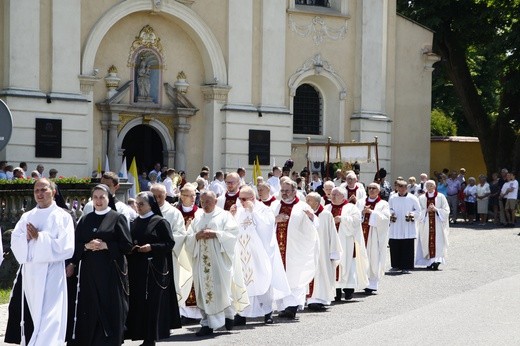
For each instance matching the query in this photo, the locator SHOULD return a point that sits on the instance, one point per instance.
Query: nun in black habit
(102, 240)
(153, 300)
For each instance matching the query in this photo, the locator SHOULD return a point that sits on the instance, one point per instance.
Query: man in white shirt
(217, 185)
(274, 181)
(171, 189)
(510, 193)
(315, 182)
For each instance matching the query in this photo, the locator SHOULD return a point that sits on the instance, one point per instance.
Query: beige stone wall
(91, 14)
(411, 123)
(181, 54)
(340, 55)
(407, 94)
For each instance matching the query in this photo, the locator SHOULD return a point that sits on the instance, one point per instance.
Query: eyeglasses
(140, 204)
(285, 191)
(372, 188)
(191, 196)
(243, 199)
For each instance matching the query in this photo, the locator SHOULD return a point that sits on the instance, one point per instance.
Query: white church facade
(189, 83)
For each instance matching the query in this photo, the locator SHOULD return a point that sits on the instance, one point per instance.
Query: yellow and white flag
(133, 179)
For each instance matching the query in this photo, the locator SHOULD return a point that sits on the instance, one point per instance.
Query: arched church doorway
(143, 143)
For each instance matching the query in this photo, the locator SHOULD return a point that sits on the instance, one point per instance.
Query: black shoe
(337, 298)
(205, 330)
(289, 312)
(435, 265)
(316, 306)
(230, 323)
(268, 318)
(369, 291)
(349, 292)
(239, 320)
(148, 343)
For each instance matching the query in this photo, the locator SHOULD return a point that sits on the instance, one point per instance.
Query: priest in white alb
(217, 274)
(355, 190)
(260, 258)
(298, 242)
(322, 288)
(187, 302)
(41, 242)
(433, 228)
(352, 271)
(375, 219)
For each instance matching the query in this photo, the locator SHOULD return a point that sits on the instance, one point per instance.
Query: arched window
(307, 117)
(321, 3)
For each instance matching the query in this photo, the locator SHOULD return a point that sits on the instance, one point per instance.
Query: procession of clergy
(258, 249)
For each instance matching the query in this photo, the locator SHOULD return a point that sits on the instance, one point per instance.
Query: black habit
(153, 301)
(102, 305)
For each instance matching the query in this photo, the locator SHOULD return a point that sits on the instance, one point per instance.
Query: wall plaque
(260, 144)
(48, 138)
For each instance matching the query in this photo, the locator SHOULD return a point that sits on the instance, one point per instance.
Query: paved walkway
(474, 300)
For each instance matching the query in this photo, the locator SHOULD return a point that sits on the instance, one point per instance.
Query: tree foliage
(478, 76)
(442, 125)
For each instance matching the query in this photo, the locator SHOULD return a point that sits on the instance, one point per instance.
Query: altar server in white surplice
(259, 254)
(41, 241)
(433, 228)
(217, 274)
(322, 288)
(375, 221)
(404, 210)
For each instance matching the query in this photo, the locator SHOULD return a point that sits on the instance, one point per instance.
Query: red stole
(364, 225)
(187, 214)
(352, 192)
(431, 224)
(191, 300)
(230, 201)
(326, 199)
(269, 201)
(320, 209)
(282, 227)
(336, 211)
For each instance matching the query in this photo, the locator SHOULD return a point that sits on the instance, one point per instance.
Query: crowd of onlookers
(474, 200)
(9, 172)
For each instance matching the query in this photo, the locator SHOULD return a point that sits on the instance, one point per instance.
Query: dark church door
(143, 143)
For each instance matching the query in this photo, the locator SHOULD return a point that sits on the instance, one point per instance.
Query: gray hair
(314, 195)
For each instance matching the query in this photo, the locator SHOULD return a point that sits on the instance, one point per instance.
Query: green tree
(478, 76)
(442, 125)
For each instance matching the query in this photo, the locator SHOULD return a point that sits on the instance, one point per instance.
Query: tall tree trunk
(458, 71)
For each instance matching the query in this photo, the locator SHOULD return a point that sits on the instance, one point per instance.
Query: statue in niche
(147, 77)
(143, 80)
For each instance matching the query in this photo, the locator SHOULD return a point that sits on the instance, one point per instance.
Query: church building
(189, 83)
